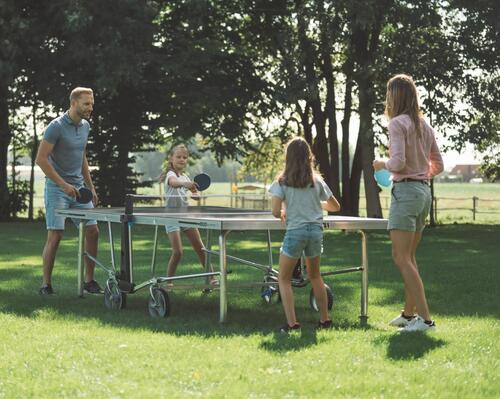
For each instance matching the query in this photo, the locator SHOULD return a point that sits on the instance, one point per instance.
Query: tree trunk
(5, 137)
(308, 55)
(346, 201)
(355, 180)
(330, 111)
(365, 41)
(373, 208)
(34, 150)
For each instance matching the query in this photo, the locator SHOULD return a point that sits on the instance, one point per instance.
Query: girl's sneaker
(324, 325)
(286, 329)
(401, 320)
(419, 324)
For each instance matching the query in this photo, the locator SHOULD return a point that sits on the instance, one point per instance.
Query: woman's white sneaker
(401, 320)
(418, 324)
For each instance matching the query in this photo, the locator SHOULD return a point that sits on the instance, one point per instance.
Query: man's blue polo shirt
(69, 141)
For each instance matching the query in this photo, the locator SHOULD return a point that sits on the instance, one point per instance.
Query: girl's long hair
(170, 167)
(402, 98)
(299, 165)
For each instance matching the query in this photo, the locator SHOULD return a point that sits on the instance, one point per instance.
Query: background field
(64, 346)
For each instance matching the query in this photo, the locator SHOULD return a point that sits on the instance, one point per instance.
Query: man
(62, 157)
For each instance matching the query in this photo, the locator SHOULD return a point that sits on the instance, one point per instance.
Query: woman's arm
(436, 161)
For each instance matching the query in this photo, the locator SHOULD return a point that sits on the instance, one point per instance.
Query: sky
(467, 156)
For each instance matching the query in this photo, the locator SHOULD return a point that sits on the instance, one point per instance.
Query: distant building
(466, 172)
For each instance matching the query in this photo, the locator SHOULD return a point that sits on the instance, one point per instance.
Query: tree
(20, 39)
(109, 46)
(478, 34)
(210, 80)
(265, 162)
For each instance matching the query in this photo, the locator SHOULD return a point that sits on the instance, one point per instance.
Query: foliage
(265, 162)
(241, 72)
(211, 86)
(19, 190)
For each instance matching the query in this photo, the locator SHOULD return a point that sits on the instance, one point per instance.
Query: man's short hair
(78, 91)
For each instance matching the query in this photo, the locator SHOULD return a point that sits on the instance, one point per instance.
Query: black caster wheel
(158, 303)
(114, 298)
(312, 299)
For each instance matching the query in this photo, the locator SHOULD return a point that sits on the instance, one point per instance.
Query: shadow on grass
(409, 346)
(192, 312)
(296, 341)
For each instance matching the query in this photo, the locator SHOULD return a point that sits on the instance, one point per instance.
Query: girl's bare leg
(285, 285)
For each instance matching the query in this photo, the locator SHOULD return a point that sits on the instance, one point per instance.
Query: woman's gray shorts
(410, 206)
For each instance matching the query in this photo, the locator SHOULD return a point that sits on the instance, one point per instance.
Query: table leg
(81, 249)
(364, 279)
(223, 277)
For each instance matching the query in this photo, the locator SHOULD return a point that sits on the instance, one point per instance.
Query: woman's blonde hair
(402, 98)
(299, 165)
(170, 167)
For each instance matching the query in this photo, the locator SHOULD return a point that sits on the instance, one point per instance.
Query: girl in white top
(177, 191)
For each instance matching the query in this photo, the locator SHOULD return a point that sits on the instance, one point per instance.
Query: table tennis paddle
(203, 181)
(383, 177)
(85, 195)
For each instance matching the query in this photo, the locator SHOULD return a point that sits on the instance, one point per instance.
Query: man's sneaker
(92, 287)
(286, 329)
(419, 324)
(46, 289)
(401, 321)
(324, 325)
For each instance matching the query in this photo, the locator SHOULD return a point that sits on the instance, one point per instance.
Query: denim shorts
(410, 206)
(56, 198)
(307, 239)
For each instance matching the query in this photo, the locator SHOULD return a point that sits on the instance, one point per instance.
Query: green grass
(64, 346)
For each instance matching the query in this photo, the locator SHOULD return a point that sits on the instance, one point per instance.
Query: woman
(414, 160)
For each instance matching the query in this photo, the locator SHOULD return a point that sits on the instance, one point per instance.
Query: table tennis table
(213, 219)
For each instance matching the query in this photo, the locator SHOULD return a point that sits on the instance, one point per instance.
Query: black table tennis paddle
(203, 181)
(85, 195)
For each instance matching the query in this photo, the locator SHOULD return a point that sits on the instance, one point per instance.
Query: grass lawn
(65, 346)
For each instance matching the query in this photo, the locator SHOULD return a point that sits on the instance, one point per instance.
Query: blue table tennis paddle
(85, 195)
(383, 177)
(202, 181)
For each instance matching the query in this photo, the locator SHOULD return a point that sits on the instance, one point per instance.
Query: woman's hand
(378, 164)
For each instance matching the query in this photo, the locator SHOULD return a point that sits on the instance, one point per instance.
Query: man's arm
(42, 160)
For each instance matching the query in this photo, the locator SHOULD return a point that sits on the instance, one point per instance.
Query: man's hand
(70, 190)
(95, 198)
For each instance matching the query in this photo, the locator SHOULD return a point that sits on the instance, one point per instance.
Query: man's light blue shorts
(307, 239)
(410, 206)
(55, 198)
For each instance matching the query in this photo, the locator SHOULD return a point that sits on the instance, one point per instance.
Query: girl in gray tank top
(299, 196)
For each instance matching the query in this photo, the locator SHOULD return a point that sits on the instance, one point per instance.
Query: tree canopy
(244, 74)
